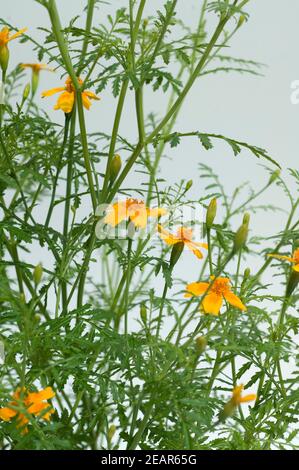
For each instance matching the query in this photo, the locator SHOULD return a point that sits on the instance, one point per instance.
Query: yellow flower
(236, 400)
(5, 37)
(219, 291)
(66, 100)
(184, 235)
(132, 209)
(293, 259)
(35, 404)
(36, 68)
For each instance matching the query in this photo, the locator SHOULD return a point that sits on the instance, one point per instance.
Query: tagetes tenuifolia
(237, 398)
(183, 235)
(133, 209)
(219, 291)
(35, 403)
(293, 259)
(66, 100)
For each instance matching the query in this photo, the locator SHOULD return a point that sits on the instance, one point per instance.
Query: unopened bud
(37, 274)
(227, 411)
(292, 283)
(241, 21)
(274, 176)
(26, 92)
(143, 313)
(4, 57)
(115, 167)
(240, 238)
(211, 213)
(111, 432)
(246, 218)
(201, 344)
(176, 252)
(246, 274)
(188, 185)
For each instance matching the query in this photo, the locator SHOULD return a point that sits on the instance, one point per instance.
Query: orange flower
(183, 235)
(36, 68)
(219, 291)
(293, 259)
(5, 37)
(35, 404)
(132, 209)
(237, 398)
(66, 100)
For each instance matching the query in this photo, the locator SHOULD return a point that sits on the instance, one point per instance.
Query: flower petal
(197, 288)
(86, 102)
(52, 91)
(17, 34)
(156, 211)
(91, 95)
(249, 397)
(65, 102)
(194, 250)
(166, 236)
(287, 258)
(45, 394)
(296, 267)
(234, 300)
(116, 213)
(138, 217)
(7, 413)
(212, 303)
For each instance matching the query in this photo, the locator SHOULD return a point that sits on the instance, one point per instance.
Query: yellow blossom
(35, 404)
(183, 235)
(133, 209)
(36, 68)
(66, 100)
(5, 37)
(235, 400)
(218, 292)
(293, 259)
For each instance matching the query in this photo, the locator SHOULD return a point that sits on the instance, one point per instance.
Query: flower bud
(246, 274)
(211, 213)
(176, 252)
(111, 432)
(241, 21)
(26, 92)
(143, 313)
(274, 176)
(4, 57)
(38, 274)
(115, 167)
(241, 236)
(246, 218)
(292, 283)
(200, 344)
(227, 411)
(188, 185)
